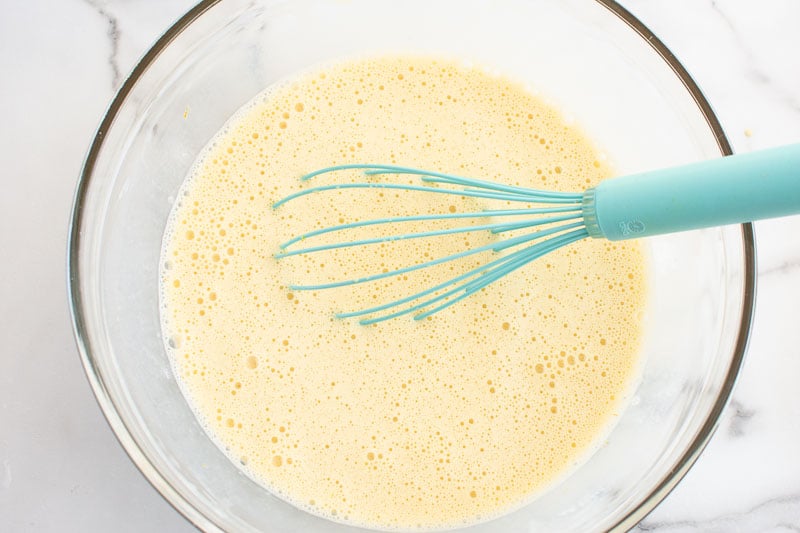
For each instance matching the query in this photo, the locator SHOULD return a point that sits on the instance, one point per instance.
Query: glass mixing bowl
(591, 58)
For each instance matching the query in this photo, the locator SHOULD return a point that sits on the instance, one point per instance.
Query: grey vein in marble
(754, 73)
(113, 36)
(740, 417)
(781, 513)
(784, 268)
(5, 475)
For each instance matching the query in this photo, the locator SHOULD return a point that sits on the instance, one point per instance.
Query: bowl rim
(185, 507)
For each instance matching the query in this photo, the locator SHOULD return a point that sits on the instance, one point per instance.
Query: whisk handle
(730, 190)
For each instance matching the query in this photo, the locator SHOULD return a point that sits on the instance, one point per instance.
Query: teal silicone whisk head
(729, 190)
(564, 219)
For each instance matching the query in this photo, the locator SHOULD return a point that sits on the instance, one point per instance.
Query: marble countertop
(61, 469)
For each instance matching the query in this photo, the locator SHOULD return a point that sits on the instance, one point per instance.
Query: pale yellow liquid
(406, 424)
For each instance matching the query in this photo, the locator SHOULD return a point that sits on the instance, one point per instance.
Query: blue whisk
(734, 189)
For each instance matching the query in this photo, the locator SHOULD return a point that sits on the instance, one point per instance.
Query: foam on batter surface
(402, 424)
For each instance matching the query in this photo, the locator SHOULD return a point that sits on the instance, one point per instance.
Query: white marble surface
(61, 468)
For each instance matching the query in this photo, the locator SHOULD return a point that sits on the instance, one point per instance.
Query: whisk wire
(476, 187)
(488, 273)
(473, 184)
(417, 218)
(438, 177)
(534, 252)
(497, 227)
(431, 290)
(437, 190)
(533, 223)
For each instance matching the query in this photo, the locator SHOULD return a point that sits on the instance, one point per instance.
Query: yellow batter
(446, 421)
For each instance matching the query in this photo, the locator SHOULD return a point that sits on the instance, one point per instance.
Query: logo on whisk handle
(631, 227)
